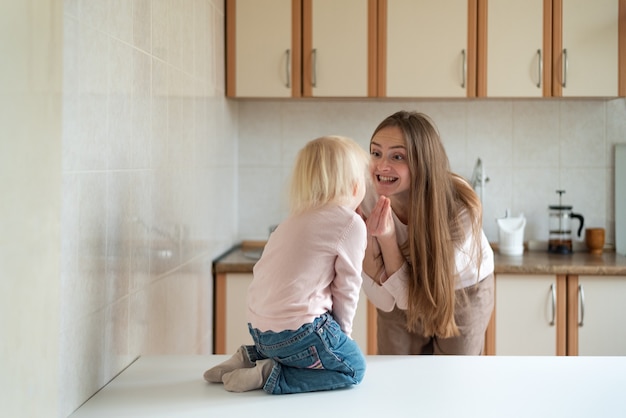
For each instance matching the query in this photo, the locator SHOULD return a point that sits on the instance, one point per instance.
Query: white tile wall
(149, 184)
(529, 149)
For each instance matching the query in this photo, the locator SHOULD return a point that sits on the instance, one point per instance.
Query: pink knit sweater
(311, 265)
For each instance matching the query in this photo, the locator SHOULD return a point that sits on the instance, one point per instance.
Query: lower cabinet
(558, 315)
(530, 315)
(596, 312)
(231, 329)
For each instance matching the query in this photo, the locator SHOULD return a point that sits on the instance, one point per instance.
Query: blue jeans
(317, 356)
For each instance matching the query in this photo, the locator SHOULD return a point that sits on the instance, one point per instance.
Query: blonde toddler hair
(326, 171)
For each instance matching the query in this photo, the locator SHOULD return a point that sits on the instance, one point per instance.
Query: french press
(560, 239)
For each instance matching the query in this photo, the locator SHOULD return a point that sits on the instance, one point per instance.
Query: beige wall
(149, 165)
(118, 156)
(30, 208)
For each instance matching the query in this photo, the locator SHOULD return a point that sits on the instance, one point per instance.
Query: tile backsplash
(529, 149)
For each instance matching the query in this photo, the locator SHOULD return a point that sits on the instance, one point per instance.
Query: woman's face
(389, 166)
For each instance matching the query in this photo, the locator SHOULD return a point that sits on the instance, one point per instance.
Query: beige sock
(243, 380)
(239, 360)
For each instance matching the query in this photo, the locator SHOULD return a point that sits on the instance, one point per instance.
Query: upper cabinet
(587, 48)
(339, 48)
(551, 48)
(294, 48)
(515, 48)
(263, 48)
(427, 48)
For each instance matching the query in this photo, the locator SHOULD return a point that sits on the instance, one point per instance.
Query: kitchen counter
(396, 386)
(241, 259)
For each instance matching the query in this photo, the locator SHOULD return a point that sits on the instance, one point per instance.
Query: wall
(529, 149)
(30, 206)
(149, 166)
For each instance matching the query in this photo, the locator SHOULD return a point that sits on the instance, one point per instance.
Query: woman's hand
(380, 222)
(384, 253)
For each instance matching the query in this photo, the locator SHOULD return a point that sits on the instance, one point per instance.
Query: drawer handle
(553, 294)
(463, 69)
(581, 299)
(288, 67)
(539, 68)
(314, 67)
(565, 65)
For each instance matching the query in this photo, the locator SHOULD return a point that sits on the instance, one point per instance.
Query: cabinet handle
(539, 68)
(314, 67)
(463, 69)
(581, 299)
(565, 64)
(553, 294)
(288, 68)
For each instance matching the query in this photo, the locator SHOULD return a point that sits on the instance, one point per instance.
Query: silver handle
(553, 293)
(288, 67)
(539, 68)
(314, 67)
(464, 69)
(581, 299)
(565, 65)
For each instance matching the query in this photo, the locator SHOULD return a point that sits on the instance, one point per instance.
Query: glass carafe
(560, 239)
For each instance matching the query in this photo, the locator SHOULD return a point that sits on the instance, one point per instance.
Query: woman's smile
(386, 179)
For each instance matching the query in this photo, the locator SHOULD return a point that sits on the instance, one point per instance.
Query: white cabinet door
(236, 322)
(515, 50)
(335, 52)
(588, 59)
(426, 48)
(262, 59)
(526, 315)
(601, 313)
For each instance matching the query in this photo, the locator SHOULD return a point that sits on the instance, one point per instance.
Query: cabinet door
(516, 50)
(263, 55)
(586, 48)
(337, 52)
(236, 311)
(427, 48)
(597, 316)
(530, 312)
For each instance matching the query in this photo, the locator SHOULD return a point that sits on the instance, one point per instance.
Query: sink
(253, 254)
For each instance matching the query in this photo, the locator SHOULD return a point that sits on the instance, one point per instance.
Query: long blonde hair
(437, 198)
(327, 170)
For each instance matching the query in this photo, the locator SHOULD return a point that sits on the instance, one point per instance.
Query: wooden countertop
(394, 386)
(241, 260)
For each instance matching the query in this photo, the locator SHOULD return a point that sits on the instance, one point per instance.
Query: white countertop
(394, 386)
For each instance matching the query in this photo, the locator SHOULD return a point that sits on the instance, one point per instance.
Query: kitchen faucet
(479, 178)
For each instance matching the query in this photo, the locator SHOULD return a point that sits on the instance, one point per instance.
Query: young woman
(305, 288)
(428, 266)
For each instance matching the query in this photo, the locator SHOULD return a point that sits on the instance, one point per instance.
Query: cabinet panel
(427, 48)
(336, 51)
(530, 314)
(263, 51)
(586, 51)
(236, 322)
(597, 311)
(518, 48)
